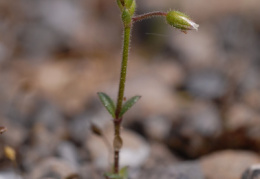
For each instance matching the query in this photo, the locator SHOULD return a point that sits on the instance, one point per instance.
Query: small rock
(253, 172)
(193, 134)
(204, 118)
(193, 48)
(67, 151)
(50, 117)
(134, 152)
(240, 116)
(157, 97)
(228, 164)
(171, 73)
(207, 84)
(160, 154)
(252, 98)
(157, 127)
(182, 170)
(52, 167)
(16, 134)
(9, 174)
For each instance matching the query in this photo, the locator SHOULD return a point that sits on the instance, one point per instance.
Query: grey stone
(253, 172)
(207, 84)
(67, 151)
(182, 170)
(9, 174)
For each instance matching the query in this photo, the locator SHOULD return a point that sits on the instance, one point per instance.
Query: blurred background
(199, 116)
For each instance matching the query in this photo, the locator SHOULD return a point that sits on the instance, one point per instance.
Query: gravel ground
(199, 116)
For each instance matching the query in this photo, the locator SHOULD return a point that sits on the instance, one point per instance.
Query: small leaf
(124, 172)
(108, 103)
(128, 104)
(113, 176)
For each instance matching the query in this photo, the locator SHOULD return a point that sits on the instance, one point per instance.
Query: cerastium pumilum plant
(127, 7)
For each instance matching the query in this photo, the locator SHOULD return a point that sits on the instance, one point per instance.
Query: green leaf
(108, 103)
(129, 104)
(113, 176)
(124, 172)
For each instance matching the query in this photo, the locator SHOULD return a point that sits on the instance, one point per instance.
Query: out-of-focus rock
(5, 52)
(207, 84)
(134, 152)
(157, 127)
(157, 99)
(204, 118)
(169, 72)
(237, 36)
(228, 164)
(68, 152)
(71, 85)
(9, 174)
(240, 116)
(88, 171)
(53, 168)
(253, 172)
(182, 170)
(160, 154)
(44, 141)
(192, 47)
(252, 98)
(64, 16)
(249, 81)
(16, 134)
(200, 9)
(193, 133)
(80, 127)
(50, 117)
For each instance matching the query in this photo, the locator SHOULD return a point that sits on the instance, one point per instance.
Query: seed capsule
(180, 21)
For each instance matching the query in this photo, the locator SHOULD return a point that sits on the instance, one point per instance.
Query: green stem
(148, 15)
(117, 120)
(120, 97)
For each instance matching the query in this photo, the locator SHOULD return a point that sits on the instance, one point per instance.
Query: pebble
(182, 170)
(67, 151)
(9, 174)
(199, 124)
(52, 167)
(228, 164)
(157, 127)
(134, 153)
(253, 172)
(207, 84)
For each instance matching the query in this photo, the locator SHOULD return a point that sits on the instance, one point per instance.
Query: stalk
(117, 120)
(148, 15)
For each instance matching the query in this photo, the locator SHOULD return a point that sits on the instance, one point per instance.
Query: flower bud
(128, 3)
(132, 8)
(126, 17)
(181, 21)
(120, 5)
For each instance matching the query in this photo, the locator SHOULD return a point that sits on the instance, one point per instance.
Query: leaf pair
(110, 105)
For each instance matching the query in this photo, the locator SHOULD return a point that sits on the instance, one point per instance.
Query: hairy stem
(116, 150)
(117, 120)
(121, 89)
(148, 15)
